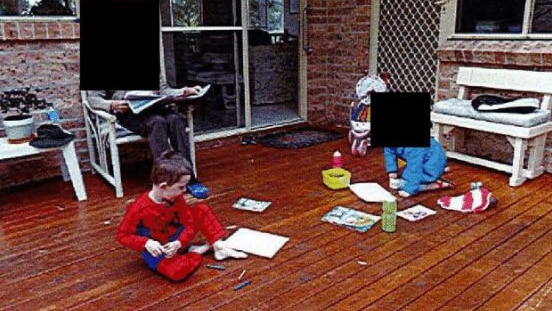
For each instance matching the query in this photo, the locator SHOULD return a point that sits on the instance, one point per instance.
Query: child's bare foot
(222, 251)
(200, 249)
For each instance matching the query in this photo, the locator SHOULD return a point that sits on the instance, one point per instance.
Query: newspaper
(141, 100)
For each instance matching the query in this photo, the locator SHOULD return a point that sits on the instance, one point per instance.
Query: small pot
(19, 128)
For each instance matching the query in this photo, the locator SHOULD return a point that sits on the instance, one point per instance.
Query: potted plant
(16, 105)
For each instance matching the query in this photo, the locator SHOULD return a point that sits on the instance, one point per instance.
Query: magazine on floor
(416, 213)
(350, 218)
(252, 205)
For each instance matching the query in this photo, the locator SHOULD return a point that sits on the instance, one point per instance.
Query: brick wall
(339, 34)
(42, 55)
(527, 55)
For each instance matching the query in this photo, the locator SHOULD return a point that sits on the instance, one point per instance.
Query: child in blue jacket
(424, 167)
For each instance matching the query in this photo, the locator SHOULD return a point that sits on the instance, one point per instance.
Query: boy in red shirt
(160, 222)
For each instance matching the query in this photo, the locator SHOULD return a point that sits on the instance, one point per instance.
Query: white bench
(525, 132)
(101, 137)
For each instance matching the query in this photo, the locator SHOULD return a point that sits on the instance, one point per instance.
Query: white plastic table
(70, 167)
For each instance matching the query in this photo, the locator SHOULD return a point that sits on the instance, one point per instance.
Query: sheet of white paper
(371, 192)
(130, 94)
(256, 242)
(201, 92)
(416, 212)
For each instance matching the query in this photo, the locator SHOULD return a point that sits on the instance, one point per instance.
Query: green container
(389, 216)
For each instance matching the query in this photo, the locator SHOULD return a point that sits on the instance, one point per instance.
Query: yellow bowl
(336, 178)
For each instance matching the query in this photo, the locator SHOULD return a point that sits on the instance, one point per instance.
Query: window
(514, 17)
(267, 14)
(38, 8)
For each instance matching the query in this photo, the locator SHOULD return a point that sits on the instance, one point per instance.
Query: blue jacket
(423, 164)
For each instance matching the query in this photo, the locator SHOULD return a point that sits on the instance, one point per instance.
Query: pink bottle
(337, 159)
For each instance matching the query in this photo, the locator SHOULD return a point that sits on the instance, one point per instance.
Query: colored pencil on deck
(242, 285)
(241, 275)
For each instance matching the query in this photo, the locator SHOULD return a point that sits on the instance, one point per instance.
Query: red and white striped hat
(476, 201)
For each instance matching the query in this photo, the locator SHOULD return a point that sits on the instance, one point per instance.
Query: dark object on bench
(492, 103)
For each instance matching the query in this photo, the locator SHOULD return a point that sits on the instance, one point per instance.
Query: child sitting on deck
(424, 167)
(160, 223)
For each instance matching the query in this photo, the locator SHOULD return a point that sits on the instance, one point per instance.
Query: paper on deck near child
(371, 192)
(256, 242)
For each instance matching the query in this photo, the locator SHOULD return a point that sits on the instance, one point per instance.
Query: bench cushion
(463, 108)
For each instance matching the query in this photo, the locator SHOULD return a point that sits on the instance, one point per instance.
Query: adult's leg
(157, 134)
(153, 126)
(177, 134)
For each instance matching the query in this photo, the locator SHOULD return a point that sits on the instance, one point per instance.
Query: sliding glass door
(250, 60)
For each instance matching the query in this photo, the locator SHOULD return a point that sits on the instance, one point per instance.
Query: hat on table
(51, 136)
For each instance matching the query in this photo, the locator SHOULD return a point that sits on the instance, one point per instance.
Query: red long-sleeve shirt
(145, 219)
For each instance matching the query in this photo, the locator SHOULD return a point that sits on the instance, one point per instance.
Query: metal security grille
(408, 36)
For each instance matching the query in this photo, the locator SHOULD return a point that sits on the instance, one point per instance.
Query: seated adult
(162, 125)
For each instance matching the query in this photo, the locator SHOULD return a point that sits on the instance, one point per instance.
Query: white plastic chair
(102, 139)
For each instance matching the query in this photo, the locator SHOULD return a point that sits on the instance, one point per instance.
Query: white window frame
(241, 31)
(448, 25)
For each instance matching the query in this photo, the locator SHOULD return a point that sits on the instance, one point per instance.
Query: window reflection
(196, 13)
(37, 8)
(208, 57)
(476, 16)
(542, 17)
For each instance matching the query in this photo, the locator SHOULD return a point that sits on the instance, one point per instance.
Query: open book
(141, 100)
(350, 218)
(251, 204)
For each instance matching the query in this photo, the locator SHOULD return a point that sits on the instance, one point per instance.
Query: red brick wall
(339, 34)
(43, 55)
(528, 55)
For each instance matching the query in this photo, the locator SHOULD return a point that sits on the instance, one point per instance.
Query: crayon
(242, 285)
(217, 267)
(242, 274)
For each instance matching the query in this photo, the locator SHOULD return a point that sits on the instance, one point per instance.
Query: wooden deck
(58, 254)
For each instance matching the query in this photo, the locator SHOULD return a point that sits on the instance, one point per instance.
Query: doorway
(247, 50)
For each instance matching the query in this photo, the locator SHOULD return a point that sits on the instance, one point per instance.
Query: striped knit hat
(476, 201)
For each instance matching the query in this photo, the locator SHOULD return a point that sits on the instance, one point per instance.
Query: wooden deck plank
(59, 254)
(511, 297)
(541, 300)
(457, 283)
(508, 271)
(339, 290)
(484, 254)
(275, 292)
